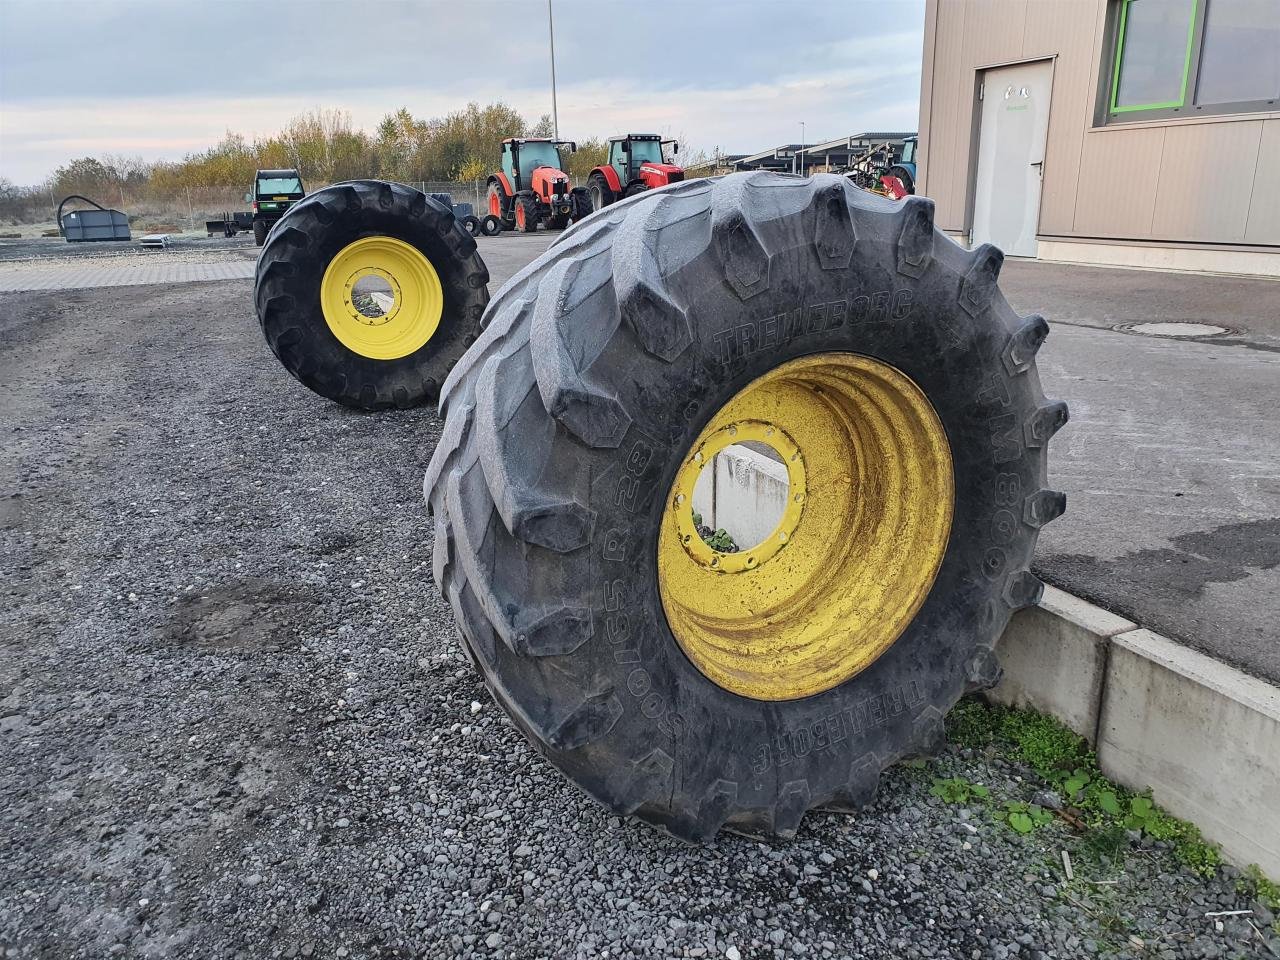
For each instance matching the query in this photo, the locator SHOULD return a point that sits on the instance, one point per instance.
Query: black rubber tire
(490, 225)
(471, 224)
(527, 205)
(903, 174)
(505, 204)
(600, 194)
(287, 292)
(260, 230)
(581, 201)
(635, 189)
(566, 422)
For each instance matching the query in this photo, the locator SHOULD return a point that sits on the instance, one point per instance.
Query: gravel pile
(235, 721)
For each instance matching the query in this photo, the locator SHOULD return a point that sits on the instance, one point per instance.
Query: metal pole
(555, 115)
(802, 143)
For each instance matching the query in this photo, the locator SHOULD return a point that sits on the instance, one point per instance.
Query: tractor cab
(521, 157)
(627, 155)
(635, 164)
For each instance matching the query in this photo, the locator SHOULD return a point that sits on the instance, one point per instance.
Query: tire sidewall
(718, 737)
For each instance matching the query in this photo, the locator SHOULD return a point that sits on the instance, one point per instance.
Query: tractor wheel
(499, 204)
(526, 213)
(259, 233)
(600, 194)
(491, 226)
(471, 225)
(635, 189)
(581, 201)
(369, 292)
(904, 175)
(698, 689)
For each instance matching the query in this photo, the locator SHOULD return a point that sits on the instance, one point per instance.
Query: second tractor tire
(369, 231)
(598, 191)
(572, 428)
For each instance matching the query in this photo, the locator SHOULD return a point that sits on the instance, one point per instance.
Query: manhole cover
(1174, 329)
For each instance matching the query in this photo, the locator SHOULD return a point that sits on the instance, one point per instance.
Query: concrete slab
(1204, 736)
(1054, 657)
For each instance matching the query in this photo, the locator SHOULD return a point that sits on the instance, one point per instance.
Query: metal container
(98, 224)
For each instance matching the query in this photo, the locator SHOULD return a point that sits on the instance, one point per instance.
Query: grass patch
(1065, 762)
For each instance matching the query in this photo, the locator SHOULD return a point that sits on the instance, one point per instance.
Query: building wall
(1207, 180)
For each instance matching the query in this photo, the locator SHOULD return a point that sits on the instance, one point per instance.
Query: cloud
(735, 74)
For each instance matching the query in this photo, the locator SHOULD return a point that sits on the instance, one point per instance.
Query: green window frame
(1118, 56)
(1187, 104)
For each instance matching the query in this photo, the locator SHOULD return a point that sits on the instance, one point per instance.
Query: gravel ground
(234, 721)
(189, 247)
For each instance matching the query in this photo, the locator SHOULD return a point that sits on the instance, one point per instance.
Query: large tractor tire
(581, 203)
(598, 191)
(369, 292)
(698, 689)
(499, 205)
(526, 213)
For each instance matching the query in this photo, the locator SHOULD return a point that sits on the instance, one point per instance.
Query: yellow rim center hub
(704, 454)
(861, 537)
(392, 330)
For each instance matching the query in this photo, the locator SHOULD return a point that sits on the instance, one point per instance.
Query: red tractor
(635, 164)
(531, 188)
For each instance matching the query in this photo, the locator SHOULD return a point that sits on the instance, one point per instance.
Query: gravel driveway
(234, 721)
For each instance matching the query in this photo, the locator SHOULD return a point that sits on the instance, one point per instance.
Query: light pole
(555, 114)
(802, 144)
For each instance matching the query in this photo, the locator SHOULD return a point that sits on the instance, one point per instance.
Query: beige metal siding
(1206, 173)
(1264, 206)
(1210, 181)
(1117, 177)
(948, 152)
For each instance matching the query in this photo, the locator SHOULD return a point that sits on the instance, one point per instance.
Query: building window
(1193, 57)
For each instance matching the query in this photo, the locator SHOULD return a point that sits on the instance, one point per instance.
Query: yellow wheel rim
(859, 543)
(396, 328)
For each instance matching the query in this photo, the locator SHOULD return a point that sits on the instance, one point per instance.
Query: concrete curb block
(1202, 735)
(1054, 657)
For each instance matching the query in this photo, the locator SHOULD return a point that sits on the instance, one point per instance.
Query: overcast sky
(161, 78)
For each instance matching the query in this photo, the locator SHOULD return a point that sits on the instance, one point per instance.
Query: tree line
(322, 144)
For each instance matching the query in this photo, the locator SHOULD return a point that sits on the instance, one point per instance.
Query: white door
(1015, 123)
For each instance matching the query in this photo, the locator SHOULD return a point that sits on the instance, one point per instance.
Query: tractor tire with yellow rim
(368, 293)
(877, 361)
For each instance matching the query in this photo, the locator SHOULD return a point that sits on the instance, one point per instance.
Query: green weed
(1065, 761)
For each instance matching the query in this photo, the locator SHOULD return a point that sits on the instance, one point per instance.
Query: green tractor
(273, 193)
(695, 686)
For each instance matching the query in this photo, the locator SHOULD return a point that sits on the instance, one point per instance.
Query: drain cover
(1174, 329)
